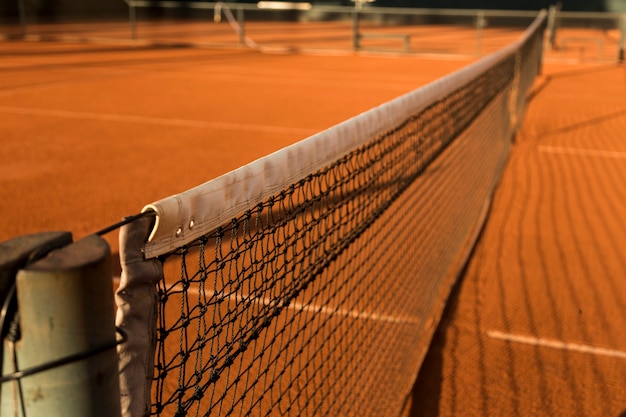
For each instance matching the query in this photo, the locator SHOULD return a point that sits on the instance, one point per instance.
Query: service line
(309, 308)
(556, 344)
(163, 121)
(582, 152)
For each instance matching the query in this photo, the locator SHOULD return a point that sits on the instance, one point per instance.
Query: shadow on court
(532, 328)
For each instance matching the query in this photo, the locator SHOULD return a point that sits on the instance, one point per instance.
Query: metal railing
(364, 11)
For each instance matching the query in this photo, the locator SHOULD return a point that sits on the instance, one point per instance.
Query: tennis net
(310, 281)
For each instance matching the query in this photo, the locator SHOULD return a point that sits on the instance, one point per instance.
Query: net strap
(136, 298)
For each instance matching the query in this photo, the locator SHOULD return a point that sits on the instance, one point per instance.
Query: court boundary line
(264, 49)
(308, 308)
(556, 344)
(70, 114)
(581, 152)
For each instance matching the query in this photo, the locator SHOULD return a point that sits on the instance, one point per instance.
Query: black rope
(127, 220)
(66, 360)
(12, 337)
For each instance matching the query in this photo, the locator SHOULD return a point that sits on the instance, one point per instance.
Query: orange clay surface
(93, 132)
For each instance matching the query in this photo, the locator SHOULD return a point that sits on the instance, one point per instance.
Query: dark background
(570, 5)
(64, 9)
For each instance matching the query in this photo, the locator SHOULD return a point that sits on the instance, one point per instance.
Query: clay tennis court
(92, 132)
(112, 128)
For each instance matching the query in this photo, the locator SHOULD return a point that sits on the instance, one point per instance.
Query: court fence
(363, 27)
(309, 282)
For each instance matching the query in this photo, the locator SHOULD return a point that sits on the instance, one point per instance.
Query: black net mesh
(313, 302)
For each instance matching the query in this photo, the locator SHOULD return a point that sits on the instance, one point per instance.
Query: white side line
(309, 308)
(556, 344)
(156, 120)
(583, 152)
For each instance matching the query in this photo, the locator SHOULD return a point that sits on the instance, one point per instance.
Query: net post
(22, 16)
(356, 36)
(552, 11)
(240, 22)
(63, 362)
(622, 38)
(538, 42)
(481, 22)
(132, 17)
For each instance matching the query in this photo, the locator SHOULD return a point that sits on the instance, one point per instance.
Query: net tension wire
(66, 360)
(124, 222)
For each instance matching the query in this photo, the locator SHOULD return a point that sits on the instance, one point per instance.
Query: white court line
(155, 120)
(583, 152)
(311, 308)
(556, 344)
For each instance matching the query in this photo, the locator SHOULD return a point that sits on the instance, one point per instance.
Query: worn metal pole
(65, 303)
(241, 23)
(22, 16)
(552, 26)
(132, 15)
(356, 35)
(622, 38)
